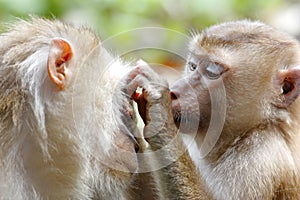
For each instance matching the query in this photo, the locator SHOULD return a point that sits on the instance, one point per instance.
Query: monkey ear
(60, 54)
(289, 83)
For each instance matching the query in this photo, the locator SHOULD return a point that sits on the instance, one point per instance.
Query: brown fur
(172, 170)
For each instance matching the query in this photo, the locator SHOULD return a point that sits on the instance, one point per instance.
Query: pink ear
(289, 82)
(59, 54)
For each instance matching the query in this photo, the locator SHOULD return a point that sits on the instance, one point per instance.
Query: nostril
(173, 96)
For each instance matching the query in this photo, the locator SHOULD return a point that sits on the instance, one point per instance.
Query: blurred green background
(120, 15)
(111, 17)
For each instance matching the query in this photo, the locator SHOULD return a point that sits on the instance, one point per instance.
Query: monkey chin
(185, 121)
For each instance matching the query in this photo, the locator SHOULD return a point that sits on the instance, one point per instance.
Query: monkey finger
(144, 69)
(132, 86)
(139, 69)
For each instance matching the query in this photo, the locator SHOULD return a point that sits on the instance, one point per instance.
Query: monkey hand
(154, 104)
(168, 161)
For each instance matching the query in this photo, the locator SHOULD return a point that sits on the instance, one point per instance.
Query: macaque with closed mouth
(257, 155)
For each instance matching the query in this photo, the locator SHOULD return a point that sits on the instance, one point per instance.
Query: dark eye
(192, 66)
(214, 71)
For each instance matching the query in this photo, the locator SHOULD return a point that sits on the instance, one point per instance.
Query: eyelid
(203, 61)
(214, 70)
(219, 68)
(194, 60)
(224, 65)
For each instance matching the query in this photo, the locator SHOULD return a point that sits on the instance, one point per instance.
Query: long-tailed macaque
(60, 115)
(257, 155)
(66, 120)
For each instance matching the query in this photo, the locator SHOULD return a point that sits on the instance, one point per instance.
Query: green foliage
(120, 15)
(111, 17)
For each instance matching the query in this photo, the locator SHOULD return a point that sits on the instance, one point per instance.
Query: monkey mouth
(130, 132)
(134, 142)
(176, 113)
(177, 117)
(129, 129)
(185, 120)
(125, 155)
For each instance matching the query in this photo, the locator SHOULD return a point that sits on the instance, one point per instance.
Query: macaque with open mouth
(67, 126)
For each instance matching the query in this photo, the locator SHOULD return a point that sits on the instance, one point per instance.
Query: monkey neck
(261, 158)
(229, 141)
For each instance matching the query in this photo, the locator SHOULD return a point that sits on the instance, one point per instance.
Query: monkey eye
(192, 66)
(214, 70)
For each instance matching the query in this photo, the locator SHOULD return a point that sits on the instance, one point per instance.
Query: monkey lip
(185, 119)
(176, 113)
(130, 135)
(135, 142)
(132, 162)
(127, 148)
(177, 117)
(128, 131)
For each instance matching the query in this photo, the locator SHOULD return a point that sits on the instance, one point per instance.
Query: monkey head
(62, 112)
(255, 65)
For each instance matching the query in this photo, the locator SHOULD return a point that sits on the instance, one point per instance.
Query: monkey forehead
(242, 33)
(253, 43)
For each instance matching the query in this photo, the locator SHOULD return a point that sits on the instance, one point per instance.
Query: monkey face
(191, 95)
(245, 64)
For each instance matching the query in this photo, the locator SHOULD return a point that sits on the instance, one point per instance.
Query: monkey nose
(174, 95)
